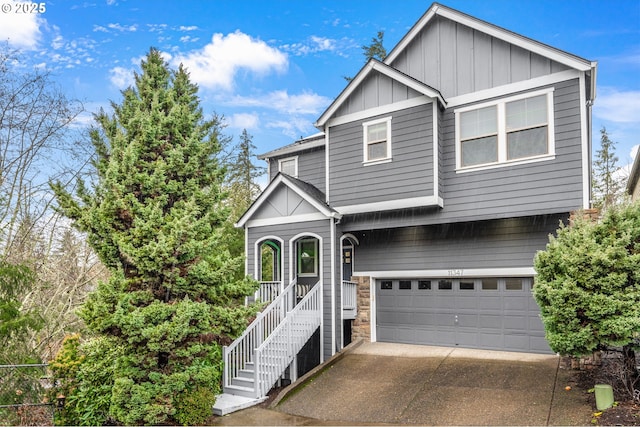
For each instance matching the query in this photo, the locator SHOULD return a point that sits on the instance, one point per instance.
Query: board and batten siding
(457, 59)
(287, 232)
(375, 90)
(502, 243)
(408, 174)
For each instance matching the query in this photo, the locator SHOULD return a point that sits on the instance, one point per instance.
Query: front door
(347, 262)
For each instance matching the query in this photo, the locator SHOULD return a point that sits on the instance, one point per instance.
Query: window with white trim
(307, 257)
(377, 140)
(512, 130)
(289, 166)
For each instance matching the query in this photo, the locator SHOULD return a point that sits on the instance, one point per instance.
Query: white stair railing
(268, 291)
(278, 351)
(349, 295)
(240, 353)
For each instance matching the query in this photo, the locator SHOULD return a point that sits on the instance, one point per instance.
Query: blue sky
(272, 67)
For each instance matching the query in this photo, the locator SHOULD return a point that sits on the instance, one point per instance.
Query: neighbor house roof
(634, 176)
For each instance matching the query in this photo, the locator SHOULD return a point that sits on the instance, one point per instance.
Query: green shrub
(84, 373)
(194, 407)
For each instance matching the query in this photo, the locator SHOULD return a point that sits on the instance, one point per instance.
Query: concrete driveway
(378, 383)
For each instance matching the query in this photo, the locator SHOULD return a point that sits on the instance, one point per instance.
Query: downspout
(590, 101)
(332, 223)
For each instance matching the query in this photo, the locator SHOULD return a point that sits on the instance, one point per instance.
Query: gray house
(415, 214)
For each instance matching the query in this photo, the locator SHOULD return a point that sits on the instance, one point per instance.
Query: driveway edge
(303, 379)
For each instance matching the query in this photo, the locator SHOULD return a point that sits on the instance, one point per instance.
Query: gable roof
(306, 191)
(526, 43)
(436, 9)
(383, 68)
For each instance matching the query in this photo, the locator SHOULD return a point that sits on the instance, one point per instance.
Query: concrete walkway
(378, 383)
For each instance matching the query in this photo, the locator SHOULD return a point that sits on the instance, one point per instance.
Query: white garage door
(487, 313)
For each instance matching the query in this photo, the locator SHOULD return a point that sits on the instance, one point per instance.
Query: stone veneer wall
(362, 323)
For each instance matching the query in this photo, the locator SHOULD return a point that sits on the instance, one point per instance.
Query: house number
(457, 272)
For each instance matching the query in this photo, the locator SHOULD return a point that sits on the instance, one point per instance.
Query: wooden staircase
(256, 360)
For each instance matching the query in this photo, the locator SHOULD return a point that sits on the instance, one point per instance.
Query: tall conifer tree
(155, 216)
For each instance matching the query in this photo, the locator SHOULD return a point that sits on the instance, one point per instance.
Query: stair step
(228, 403)
(242, 382)
(245, 373)
(237, 390)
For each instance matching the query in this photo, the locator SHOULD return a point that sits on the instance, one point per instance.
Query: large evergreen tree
(155, 217)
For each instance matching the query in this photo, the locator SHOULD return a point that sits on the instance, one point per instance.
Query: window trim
(500, 105)
(286, 159)
(299, 257)
(365, 143)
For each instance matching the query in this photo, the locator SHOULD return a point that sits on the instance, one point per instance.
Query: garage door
(487, 313)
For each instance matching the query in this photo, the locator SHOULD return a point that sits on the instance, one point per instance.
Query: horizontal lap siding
(286, 232)
(486, 244)
(409, 174)
(532, 187)
(311, 167)
(549, 186)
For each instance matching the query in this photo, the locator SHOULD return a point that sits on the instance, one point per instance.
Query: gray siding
(376, 90)
(283, 202)
(500, 243)
(286, 232)
(549, 186)
(409, 174)
(311, 167)
(456, 59)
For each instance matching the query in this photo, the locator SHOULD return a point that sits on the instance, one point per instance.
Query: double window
(377, 140)
(516, 129)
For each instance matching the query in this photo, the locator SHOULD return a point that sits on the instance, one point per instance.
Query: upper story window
(289, 166)
(517, 129)
(377, 140)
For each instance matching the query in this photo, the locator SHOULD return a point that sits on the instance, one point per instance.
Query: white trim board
(456, 272)
(414, 202)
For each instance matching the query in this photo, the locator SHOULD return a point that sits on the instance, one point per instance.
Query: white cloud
(189, 39)
(123, 28)
(316, 44)
(216, 65)
(21, 30)
(294, 128)
(304, 103)
(116, 27)
(244, 121)
(617, 106)
(121, 77)
(188, 28)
